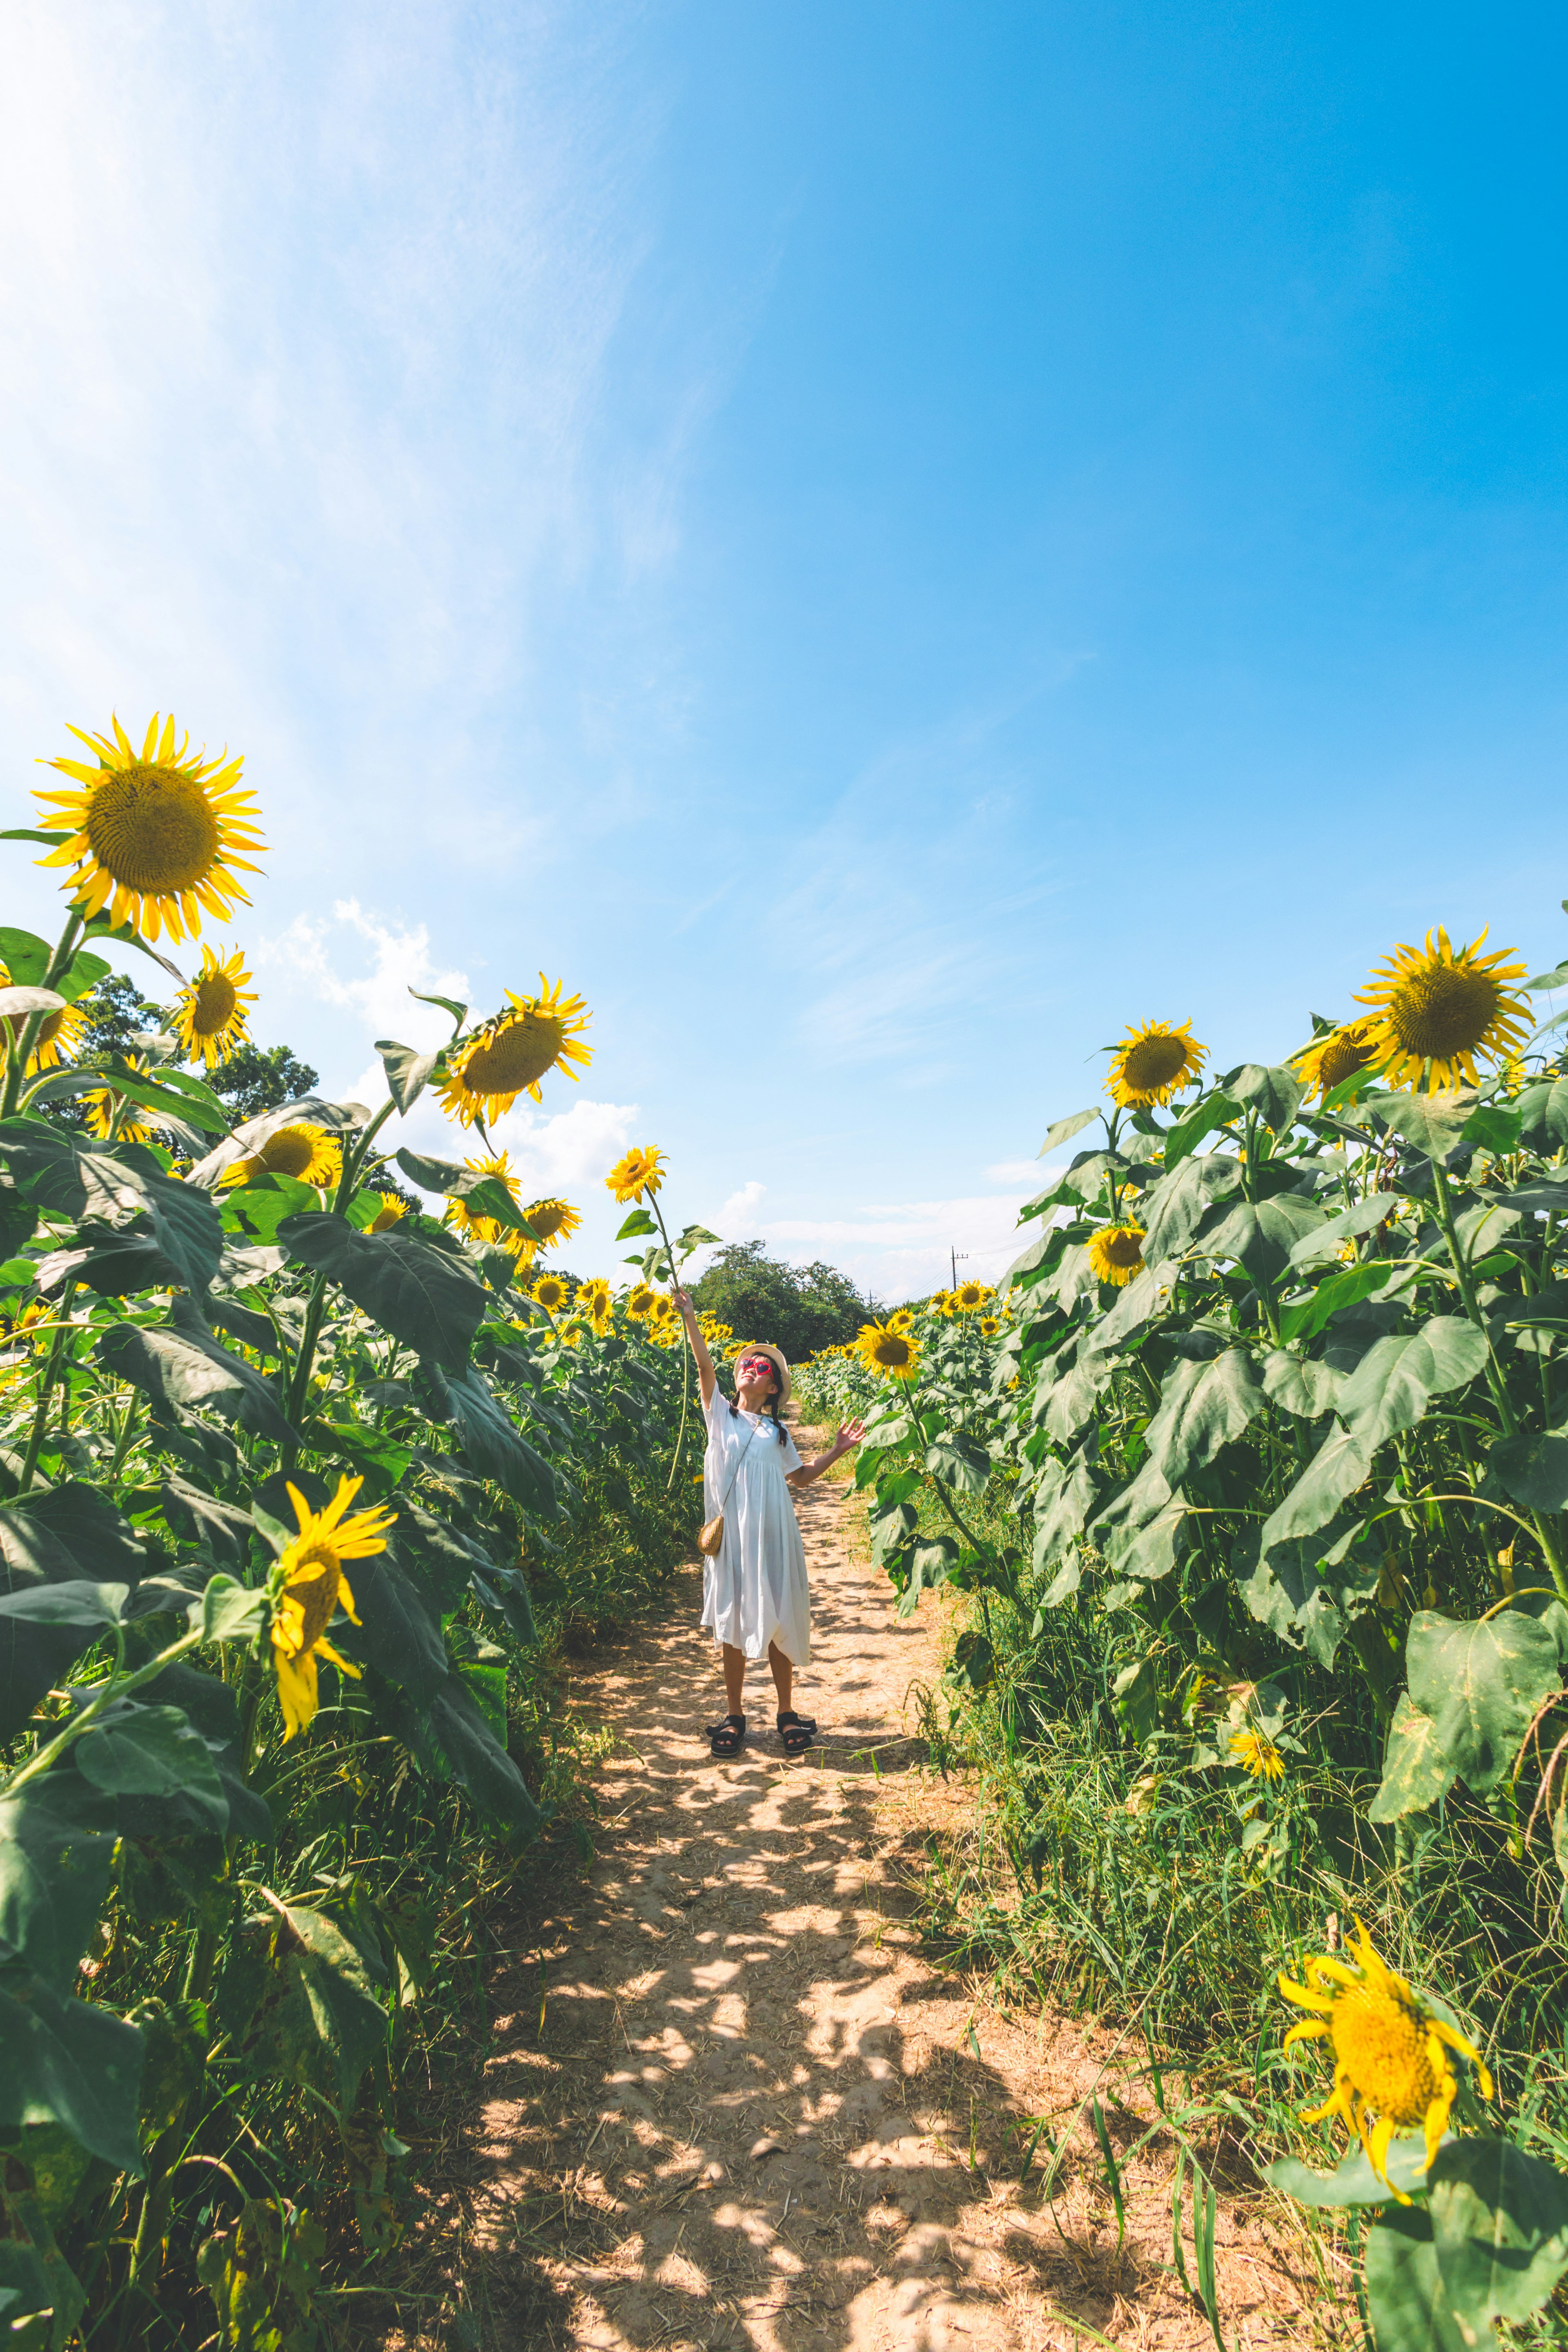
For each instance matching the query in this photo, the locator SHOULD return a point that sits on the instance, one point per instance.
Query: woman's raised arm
(705, 1372)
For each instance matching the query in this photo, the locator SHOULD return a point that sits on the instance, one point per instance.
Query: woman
(755, 1597)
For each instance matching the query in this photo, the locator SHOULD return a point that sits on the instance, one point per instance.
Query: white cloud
(737, 1219)
(379, 998)
(1016, 1171)
(567, 1149)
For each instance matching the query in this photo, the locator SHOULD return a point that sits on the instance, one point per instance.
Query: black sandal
(796, 1731)
(725, 1738)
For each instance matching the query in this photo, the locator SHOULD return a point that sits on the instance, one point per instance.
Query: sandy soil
(731, 2104)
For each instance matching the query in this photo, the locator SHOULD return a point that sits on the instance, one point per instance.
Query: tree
(799, 1309)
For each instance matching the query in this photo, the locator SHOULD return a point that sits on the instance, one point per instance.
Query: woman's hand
(850, 1433)
(683, 1305)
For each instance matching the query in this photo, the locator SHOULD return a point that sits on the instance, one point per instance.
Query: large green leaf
(485, 1196)
(261, 1208)
(56, 1855)
(1433, 1122)
(1298, 1384)
(1205, 1118)
(1203, 1406)
(71, 1535)
(1062, 1131)
(451, 1736)
(1303, 1318)
(1481, 1684)
(407, 1071)
(1499, 2220)
(1063, 1500)
(1354, 2183)
(1324, 1240)
(397, 1634)
(70, 2063)
(1396, 1379)
(416, 1292)
(1534, 1469)
(438, 1558)
(1416, 1768)
(180, 1365)
(318, 2020)
(1285, 1590)
(223, 1528)
(125, 1193)
(134, 1751)
(1340, 1466)
(495, 1446)
(27, 958)
(1176, 1206)
(959, 1462)
(1260, 1235)
(1073, 1398)
(1406, 2297)
(1275, 1093)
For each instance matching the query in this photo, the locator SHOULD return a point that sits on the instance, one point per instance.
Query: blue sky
(881, 543)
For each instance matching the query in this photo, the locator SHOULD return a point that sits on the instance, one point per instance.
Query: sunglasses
(757, 1364)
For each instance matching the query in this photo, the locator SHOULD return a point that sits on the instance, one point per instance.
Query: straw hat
(761, 1348)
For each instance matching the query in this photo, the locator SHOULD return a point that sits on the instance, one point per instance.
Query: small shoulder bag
(711, 1538)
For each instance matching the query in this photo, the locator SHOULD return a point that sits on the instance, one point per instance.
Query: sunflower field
(305, 1492)
(1256, 1486)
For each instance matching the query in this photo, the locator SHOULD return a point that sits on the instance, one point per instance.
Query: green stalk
(116, 1687)
(685, 1353)
(41, 1416)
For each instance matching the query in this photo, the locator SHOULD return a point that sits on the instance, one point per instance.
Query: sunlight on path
(756, 2115)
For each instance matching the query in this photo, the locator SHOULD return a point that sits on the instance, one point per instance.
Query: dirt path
(755, 2114)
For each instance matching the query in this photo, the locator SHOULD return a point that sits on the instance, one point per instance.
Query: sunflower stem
(118, 1686)
(685, 1353)
(45, 1386)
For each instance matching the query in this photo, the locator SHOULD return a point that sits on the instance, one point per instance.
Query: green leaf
(1146, 1296)
(1216, 1111)
(231, 1611)
(398, 1633)
(1416, 1770)
(1305, 1317)
(1298, 1385)
(319, 2021)
(26, 956)
(94, 1605)
(57, 1837)
(1323, 1241)
(1542, 981)
(1396, 1379)
(1340, 1466)
(1534, 1469)
(460, 1012)
(451, 1736)
(70, 2063)
(1062, 1505)
(126, 1192)
(407, 1071)
(1544, 1112)
(485, 1196)
(1407, 2301)
(1433, 1122)
(200, 1517)
(495, 1446)
(1275, 1093)
(416, 1292)
(1354, 2183)
(636, 1224)
(1203, 1406)
(258, 1209)
(151, 1751)
(1495, 1126)
(1499, 2220)
(959, 1462)
(1481, 1684)
(1176, 1206)
(180, 1365)
(1062, 1131)
(1261, 1234)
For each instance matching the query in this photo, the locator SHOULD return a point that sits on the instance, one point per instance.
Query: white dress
(754, 1590)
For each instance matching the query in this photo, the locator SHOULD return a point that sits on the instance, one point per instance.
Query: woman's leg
(784, 1675)
(734, 1675)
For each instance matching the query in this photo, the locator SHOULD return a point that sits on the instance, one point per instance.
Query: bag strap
(735, 1473)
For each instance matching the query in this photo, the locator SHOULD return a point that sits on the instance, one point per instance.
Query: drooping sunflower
(1256, 1753)
(304, 1151)
(637, 1172)
(1391, 2052)
(1329, 1061)
(640, 1298)
(311, 1586)
(1439, 1006)
(391, 1210)
(102, 1107)
(1116, 1252)
(896, 1355)
(211, 1017)
(970, 1296)
(595, 1301)
(1152, 1064)
(486, 1229)
(59, 1034)
(154, 837)
(553, 1221)
(550, 1292)
(510, 1053)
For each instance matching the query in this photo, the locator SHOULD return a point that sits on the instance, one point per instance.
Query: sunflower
(1116, 1252)
(570, 1335)
(509, 1054)
(970, 1296)
(156, 835)
(901, 1320)
(1436, 1008)
(1391, 2052)
(486, 1229)
(552, 1221)
(640, 1298)
(1329, 1061)
(664, 1331)
(895, 1354)
(391, 1210)
(306, 1152)
(1152, 1064)
(595, 1301)
(103, 1105)
(59, 1034)
(715, 1333)
(549, 1292)
(310, 1586)
(1256, 1753)
(211, 1017)
(941, 1302)
(989, 1326)
(637, 1172)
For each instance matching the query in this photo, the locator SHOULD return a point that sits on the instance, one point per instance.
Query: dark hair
(770, 1403)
